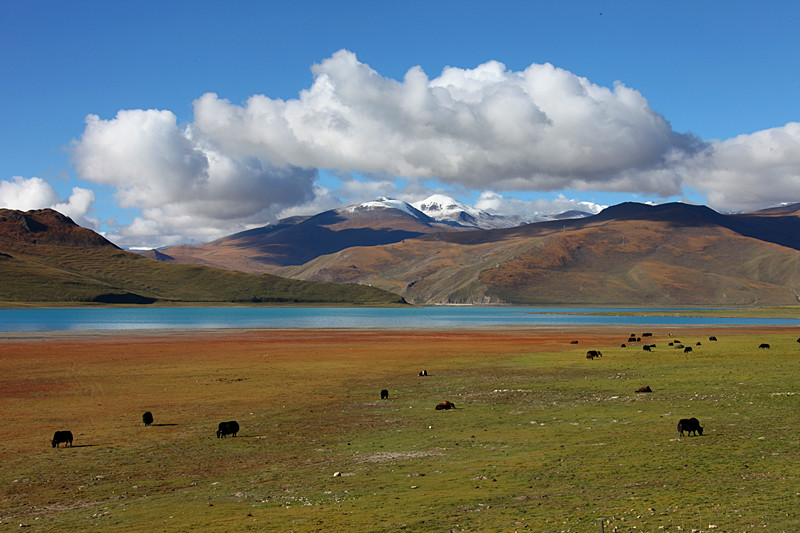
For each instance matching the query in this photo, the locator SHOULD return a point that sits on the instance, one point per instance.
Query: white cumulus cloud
(184, 185)
(749, 171)
(26, 194)
(540, 129)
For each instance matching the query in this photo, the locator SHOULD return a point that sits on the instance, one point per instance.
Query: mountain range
(438, 252)
(298, 240)
(388, 251)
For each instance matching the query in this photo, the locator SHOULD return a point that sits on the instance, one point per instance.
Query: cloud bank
(540, 129)
(482, 129)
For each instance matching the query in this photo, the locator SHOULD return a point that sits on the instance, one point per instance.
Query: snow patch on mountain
(443, 207)
(446, 209)
(386, 203)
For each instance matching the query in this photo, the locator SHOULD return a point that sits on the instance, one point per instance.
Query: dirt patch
(391, 457)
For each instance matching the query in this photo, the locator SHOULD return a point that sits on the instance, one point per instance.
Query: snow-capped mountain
(445, 209)
(385, 203)
(300, 239)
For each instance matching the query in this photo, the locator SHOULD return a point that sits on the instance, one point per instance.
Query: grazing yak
(763, 345)
(573, 342)
(423, 373)
(445, 405)
(689, 425)
(646, 348)
(227, 428)
(384, 394)
(147, 418)
(646, 388)
(647, 334)
(591, 354)
(712, 338)
(687, 349)
(62, 436)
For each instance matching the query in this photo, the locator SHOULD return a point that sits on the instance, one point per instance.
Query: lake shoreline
(197, 334)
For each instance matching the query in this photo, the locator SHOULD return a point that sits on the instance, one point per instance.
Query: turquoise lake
(79, 319)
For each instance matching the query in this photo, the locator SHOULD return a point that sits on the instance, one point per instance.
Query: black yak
(384, 394)
(445, 405)
(689, 425)
(147, 418)
(763, 345)
(227, 428)
(62, 436)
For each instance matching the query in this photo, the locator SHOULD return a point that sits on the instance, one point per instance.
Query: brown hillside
(650, 263)
(299, 240)
(46, 226)
(677, 257)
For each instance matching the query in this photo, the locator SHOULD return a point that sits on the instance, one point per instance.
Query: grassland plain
(543, 439)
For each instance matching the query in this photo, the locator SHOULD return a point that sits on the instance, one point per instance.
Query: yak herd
(685, 425)
(230, 427)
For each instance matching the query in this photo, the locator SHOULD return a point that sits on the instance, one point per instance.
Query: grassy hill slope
(45, 257)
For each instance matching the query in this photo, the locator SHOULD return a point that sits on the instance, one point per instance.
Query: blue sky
(704, 93)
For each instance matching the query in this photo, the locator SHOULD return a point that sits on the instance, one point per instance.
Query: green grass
(539, 442)
(70, 274)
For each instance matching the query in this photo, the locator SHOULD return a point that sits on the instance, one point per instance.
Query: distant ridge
(293, 242)
(299, 240)
(783, 231)
(783, 210)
